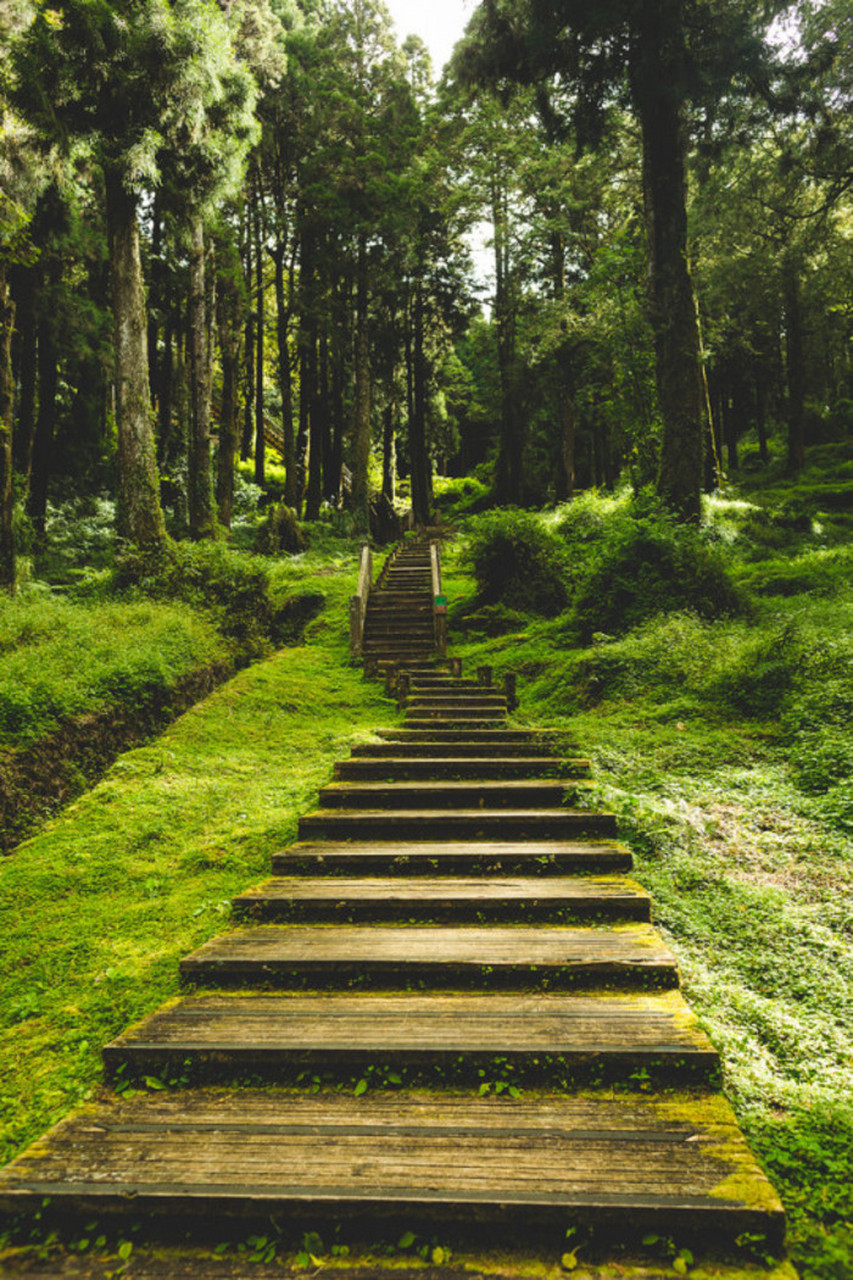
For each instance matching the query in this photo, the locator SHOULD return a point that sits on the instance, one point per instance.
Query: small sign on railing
(441, 604)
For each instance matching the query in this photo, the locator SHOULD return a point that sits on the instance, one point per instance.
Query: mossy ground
(725, 746)
(96, 910)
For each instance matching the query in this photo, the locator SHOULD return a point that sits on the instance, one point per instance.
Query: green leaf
(360, 1088)
(406, 1240)
(125, 1249)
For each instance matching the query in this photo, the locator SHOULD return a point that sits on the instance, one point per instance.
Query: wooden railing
(439, 603)
(358, 602)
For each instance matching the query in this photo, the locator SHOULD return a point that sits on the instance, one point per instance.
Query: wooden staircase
(455, 924)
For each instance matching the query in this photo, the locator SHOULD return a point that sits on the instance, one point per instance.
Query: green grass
(725, 746)
(61, 658)
(96, 911)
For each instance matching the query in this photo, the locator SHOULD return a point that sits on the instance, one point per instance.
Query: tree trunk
(659, 75)
(566, 475)
(7, 385)
(419, 462)
(361, 432)
(140, 518)
(202, 524)
(260, 437)
(389, 451)
(164, 394)
(285, 377)
(42, 444)
(795, 369)
(25, 311)
(511, 447)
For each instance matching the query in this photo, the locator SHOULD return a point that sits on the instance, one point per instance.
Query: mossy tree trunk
(361, 426)
(659, 90)
(202, 524)
(140, 518)
(7, 386)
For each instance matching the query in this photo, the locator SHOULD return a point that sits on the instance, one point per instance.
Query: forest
(581, 305)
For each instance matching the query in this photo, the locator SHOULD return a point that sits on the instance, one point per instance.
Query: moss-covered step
(471, 857)
(388, 957)
(526, 1167)
(452, 1038)
(445, 899)
(475, 793)
(448, 824)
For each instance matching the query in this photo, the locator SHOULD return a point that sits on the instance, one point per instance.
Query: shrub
(650, 564)
(518, 563)
(279, 532)
(234, 586)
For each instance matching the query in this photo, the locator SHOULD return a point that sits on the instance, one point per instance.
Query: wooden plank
(469, 824)
(484, 957)
(430, 766)
(538, 857)
(504, 793)
(512, 899)
(527, 1033)
(618, 1162)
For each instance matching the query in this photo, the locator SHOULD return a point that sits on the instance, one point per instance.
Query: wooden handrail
(358, 602)
(439, 604)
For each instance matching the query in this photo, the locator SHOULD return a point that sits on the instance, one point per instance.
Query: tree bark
(48, 379)
(511, 447)
(7, 385)
(419, 461)
(140, 518)
(285, 376)
(659, 89)
(260, 437)
(24, 290)
(202, 524)
(389, 451)
(795, 369)
(565, 488)
(229, 328)
(361, 432)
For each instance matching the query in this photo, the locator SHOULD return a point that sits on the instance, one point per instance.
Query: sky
(439, 23)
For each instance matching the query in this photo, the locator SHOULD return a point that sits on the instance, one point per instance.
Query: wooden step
(521, 1167)
(513, 900)
(470, 824)
(491, 734)
(507, 793)
(475, 722)
(429, 766)
(380, 956)
(430, 749)
(655, 1034)
(420, 857)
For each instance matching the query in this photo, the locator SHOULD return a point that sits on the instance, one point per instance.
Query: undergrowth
(723, 739)
(96, 911)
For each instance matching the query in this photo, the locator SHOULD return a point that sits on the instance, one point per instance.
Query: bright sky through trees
(439, 23)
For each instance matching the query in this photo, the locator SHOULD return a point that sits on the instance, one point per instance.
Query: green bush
(234, 586)
(648, 564)
(279, 531)
(518, 563)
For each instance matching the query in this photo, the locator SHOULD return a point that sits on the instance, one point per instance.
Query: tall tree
(142, 84)
(657, 55)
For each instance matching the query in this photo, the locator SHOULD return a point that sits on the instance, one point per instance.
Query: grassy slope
(96, 910)
(740, 820)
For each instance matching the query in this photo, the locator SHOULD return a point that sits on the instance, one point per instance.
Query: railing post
(358, 602)
(510, 690)
(484, 676)
(439, 602)
(356, 626)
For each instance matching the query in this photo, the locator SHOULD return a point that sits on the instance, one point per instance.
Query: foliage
(724, 745)
(234, 586)
(135, 650)
(645, 564)
(141, 869)
(517, 562)
(280, 531)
